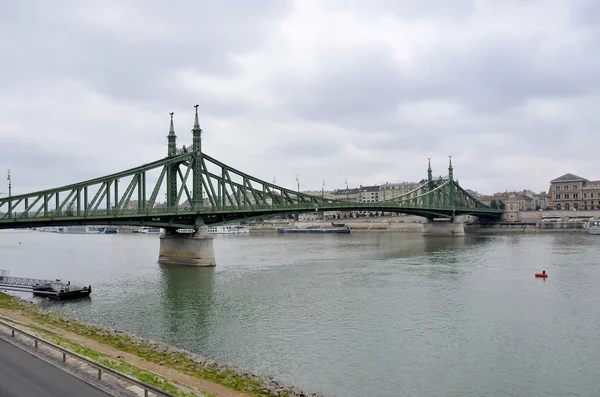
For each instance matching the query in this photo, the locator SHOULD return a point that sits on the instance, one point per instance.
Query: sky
(326, 90)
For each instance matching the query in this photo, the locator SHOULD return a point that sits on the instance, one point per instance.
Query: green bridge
(201, 190)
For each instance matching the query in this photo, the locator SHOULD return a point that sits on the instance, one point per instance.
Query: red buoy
(543, 274)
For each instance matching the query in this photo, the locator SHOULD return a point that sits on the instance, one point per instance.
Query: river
(381, 314)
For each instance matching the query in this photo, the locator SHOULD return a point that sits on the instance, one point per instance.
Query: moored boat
(58, 290)
(229, 229)
(593, 227)
(149, 230)
(77, 230)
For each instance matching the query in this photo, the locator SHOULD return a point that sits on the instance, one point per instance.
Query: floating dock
(53, 289)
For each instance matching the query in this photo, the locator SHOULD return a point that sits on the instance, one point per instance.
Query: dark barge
(61, 291)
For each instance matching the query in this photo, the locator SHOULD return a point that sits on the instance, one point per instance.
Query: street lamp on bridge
(9, 183)
(347, 198)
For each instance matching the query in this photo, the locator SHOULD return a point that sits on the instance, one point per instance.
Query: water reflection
(187, 295)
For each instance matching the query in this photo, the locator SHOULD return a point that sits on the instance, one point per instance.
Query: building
(519, 202)
(573, 192)
(351, 195)
(591, 195)
(368, 194)
(389, 191)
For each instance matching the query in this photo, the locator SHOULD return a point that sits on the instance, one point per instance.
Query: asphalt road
(23, 375)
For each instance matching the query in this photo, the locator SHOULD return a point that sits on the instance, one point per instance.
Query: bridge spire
(172, 138)
(197, 195)
(450, 170)
(196, 133)
(429, 174)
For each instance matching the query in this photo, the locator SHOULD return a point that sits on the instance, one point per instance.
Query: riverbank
(174, 370)
(355, 225)
(416, 226)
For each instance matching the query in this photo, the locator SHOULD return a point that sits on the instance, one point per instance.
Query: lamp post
(9, 183)
(346, 180)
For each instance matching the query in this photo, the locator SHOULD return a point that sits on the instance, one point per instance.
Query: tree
(494, 204)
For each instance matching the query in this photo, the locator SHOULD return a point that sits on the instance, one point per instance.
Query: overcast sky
(326, 89)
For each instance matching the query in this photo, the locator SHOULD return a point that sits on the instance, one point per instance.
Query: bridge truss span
(188, 188)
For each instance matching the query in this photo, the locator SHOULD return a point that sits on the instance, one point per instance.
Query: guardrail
(101, 368)
(209, 210)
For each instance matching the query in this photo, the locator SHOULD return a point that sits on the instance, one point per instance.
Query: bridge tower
(192, 249)
(438, 227)
(172, 168)
(197, 199)
(451, 179)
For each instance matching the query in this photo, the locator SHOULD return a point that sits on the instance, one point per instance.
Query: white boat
(229, 229)
(48, 229)
(77, 230)
(149, 230)
(593, 227)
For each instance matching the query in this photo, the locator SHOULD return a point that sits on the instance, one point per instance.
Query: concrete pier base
(443, 228)
(190, 249)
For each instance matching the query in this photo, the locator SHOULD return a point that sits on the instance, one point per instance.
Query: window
(574, 187)
(592, 195)
(558, 196)
(567, 196)
(576, 196)
(557, 187)
(584, 195)
(566, 187)
(558, 207)
(567, 206)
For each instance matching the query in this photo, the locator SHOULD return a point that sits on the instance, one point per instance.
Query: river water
(382, 314)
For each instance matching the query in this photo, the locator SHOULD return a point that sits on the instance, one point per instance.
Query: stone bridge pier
(189, 249)
(444, 227)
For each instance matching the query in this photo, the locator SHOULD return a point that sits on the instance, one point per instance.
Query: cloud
(325, 90)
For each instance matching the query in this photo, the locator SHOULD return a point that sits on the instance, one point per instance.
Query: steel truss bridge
(202, 190)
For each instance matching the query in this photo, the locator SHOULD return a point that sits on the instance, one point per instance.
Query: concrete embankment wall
(524, 227)
(355, 226)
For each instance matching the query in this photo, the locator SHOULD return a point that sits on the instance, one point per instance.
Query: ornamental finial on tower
(171, 128)
(450, 172)
(429, 174)
(196, 123)
(172, 138)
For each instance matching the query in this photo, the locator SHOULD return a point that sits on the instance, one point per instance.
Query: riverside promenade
(176, 371)
(522, 221)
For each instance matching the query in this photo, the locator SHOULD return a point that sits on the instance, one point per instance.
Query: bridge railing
(116, 213)
(101, 369)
